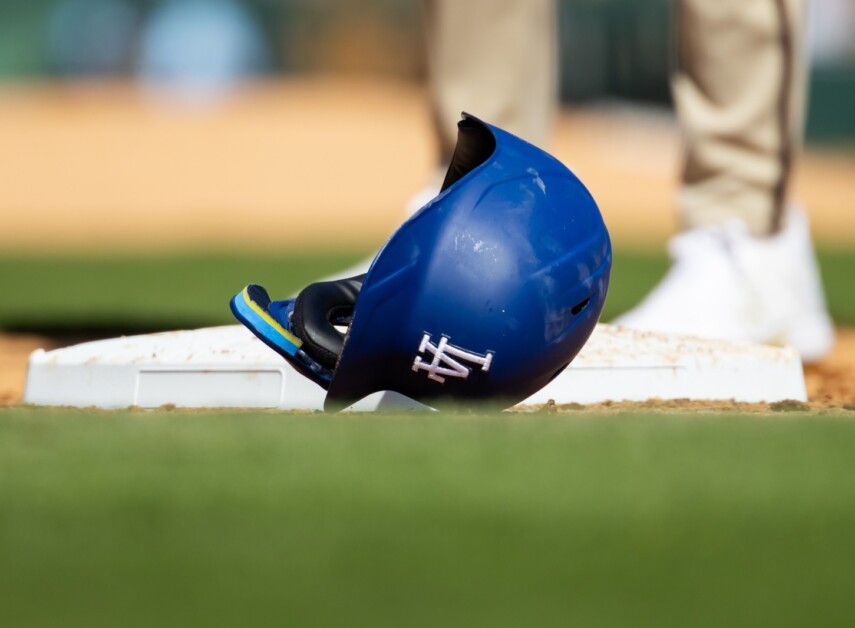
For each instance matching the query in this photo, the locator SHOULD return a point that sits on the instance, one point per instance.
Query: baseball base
(222, 367)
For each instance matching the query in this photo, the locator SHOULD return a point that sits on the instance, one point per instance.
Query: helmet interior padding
(475, 144)
(318, 309)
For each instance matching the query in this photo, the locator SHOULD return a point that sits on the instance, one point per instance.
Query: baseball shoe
(724, 283)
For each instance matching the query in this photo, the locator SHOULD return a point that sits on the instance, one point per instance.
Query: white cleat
(725, 283)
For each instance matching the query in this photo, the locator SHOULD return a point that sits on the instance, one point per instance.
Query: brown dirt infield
(101, 166)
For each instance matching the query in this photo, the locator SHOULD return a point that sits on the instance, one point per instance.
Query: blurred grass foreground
(213, 519)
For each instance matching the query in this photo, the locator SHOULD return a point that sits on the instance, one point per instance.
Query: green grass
(255, 519)
(136, 293)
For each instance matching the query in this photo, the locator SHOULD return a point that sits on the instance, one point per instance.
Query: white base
(222, 367)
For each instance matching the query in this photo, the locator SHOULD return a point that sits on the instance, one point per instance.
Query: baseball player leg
(744, 267)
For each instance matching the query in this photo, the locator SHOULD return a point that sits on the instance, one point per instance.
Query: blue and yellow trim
(263, 325)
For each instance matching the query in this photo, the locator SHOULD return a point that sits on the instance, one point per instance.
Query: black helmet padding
(318, 308)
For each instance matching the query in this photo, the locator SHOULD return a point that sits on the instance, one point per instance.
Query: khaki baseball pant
(739, 87)
(496, 59)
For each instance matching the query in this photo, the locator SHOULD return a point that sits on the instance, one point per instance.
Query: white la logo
(445, 353)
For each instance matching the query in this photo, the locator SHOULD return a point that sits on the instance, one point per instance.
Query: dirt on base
(684, 406)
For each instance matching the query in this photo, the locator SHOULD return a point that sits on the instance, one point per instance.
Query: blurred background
(233, 123)
(206, 48)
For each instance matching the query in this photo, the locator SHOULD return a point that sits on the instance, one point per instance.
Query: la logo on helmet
(444, 353)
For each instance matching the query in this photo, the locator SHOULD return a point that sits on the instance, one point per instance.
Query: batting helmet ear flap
(317, 310)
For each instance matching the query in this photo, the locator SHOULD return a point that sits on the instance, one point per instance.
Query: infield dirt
(101, 166)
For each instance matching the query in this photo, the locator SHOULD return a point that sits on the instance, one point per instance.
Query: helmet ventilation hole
(580, 306)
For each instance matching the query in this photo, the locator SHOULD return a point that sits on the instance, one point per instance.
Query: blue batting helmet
(486, 293)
